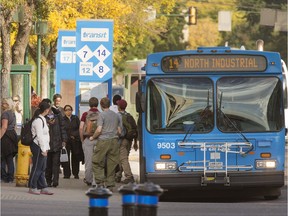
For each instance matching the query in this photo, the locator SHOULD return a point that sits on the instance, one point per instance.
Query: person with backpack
(39, 147)
(107, 148)
(129, 134)
(114, 106)
(9, 140)
(88, 125)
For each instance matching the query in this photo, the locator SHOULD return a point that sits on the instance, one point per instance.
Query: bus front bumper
(232, 180)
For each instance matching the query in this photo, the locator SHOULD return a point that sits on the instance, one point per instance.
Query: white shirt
(42, 133)
(114, 108)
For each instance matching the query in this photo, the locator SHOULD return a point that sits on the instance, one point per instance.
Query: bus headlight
(265, 164)
(165, 165)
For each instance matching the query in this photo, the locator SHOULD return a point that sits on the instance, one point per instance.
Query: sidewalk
(68, 189)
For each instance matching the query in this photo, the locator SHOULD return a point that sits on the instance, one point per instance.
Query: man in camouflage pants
(107, 148)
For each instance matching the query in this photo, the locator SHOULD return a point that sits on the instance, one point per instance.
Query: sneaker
(34, 191)
(126, 181)
(86, 182)
(99, 185)
(46, 191)
(76, 177)
(111, 188)
(66, 177)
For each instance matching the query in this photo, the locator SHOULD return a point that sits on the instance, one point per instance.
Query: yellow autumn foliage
(128, 16)
(205, 33)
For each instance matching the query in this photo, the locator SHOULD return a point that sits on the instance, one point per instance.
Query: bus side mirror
(140, 102)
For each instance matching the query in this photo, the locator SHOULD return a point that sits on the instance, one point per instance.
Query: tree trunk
(19, 49)
(45, 65)
(5, 20)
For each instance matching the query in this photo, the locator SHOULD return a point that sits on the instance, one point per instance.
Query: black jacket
(56, 130)
(74, 142)
(72, 126)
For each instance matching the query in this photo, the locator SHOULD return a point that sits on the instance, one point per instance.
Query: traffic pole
(128, 199)
(98, 201)
(147, 199)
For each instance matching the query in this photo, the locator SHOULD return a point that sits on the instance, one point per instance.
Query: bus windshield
(173, 101)
(250, 104)
(243, 104)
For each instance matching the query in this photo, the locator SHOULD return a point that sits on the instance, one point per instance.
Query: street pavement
(69, 197)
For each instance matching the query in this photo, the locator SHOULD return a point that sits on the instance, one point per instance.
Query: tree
(205, 33)
(172, 38)
(160, 34)
(129, 17)
(130, 28)
(20, 44)
(274, 41)
(16, 55)
(7, 9)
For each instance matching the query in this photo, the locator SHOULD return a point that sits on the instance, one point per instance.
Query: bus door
(285, 92)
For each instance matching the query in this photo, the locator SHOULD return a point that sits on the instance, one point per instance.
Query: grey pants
(88, 147)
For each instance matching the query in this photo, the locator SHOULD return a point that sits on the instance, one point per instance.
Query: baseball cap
(122, 104)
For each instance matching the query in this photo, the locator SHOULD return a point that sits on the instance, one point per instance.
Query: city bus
(212, 119)
(285, 90)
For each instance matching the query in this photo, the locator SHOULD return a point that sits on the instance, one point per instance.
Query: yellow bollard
(23, 165)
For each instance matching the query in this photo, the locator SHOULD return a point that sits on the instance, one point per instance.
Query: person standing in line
(125, 147)
(18, 109)
(87, 144)
(9, 140)
(39, 147)
(57, 98)
(107, 133)
(115, 99)
(73, 144)
(58, 139)
(35, 101)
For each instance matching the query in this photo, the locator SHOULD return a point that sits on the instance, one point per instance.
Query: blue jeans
(7, 168)
(37, 175)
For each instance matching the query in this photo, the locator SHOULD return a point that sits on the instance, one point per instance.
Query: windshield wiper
(188, 131)
(208, 106)
(224, 116)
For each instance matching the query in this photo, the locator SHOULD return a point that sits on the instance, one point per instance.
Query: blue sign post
(66, 56)
(94, 60)
(65, 64)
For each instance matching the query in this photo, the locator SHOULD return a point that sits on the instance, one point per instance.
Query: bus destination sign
(211, 63)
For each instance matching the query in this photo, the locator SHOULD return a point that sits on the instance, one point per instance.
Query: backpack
(26, 133)
(130, 126)
(91, 123)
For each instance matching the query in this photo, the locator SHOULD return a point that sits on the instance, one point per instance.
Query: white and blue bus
(285, 90)
(213, 119)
